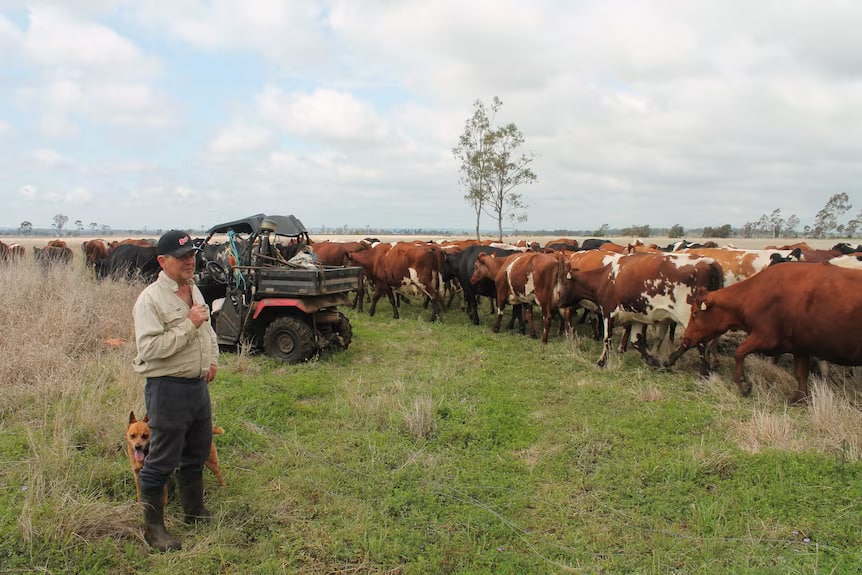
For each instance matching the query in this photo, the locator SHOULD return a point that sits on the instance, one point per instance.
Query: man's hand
(199, 314)
(211, 373)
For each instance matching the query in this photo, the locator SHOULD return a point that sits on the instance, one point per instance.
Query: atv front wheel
(289, 339)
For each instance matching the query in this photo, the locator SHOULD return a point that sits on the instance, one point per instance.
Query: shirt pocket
(173, 316)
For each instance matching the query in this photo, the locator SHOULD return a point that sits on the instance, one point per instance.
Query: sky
(189, 113)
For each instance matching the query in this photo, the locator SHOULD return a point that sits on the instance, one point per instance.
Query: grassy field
(422, 449)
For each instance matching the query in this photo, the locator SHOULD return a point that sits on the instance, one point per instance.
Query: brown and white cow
(737, 264)
(806, 310)
(525, 278)
(404, 268)
(645, 288)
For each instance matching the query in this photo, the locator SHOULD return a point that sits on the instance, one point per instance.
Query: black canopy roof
(284, 225)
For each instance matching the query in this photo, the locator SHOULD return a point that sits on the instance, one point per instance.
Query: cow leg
(641, 346)
(624, 342)
(471, 302)
(546, 317)
(704, 360)
(436, 306)
(456, 288)
(607, 324)
(528, 311)
(497, 323)
(393, 300)
(566, 321)
(751, 344)
(359, 299)
(377, 295)
(598, 324)
(674, 356)
(800, 368)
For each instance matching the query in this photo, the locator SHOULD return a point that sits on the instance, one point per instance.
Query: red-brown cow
(805, 310)
(335, 254)
(644, 288)
(94, 251)
(527, 278)
(405, 268)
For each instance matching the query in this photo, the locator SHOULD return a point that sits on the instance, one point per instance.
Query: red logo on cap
(183, 240)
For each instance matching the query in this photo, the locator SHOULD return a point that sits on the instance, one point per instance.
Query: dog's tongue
(139, 456)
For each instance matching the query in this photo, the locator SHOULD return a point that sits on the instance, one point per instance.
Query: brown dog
(138, 444)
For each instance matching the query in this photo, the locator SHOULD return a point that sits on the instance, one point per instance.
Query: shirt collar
(168, 281)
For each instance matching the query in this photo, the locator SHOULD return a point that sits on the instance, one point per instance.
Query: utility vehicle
(269, 293)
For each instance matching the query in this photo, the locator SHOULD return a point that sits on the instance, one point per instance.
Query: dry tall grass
(58, 377)
(831, 423)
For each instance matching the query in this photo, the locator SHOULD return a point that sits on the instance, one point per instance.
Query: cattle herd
(787, 299)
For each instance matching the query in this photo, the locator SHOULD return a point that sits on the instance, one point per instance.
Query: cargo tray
(304, 282)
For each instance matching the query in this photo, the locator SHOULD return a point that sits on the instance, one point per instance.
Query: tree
(719, 232)
(853, 225)
(826, 220)
(26, 228)
(775, 223)
(602, 231)
(93, 226)
(676, 231)
(473, 152)
(79, 226)
(790, 226)
(508, 170)
(637, 231)
(60, 221)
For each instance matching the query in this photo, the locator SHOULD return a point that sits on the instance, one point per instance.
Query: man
(178, 354)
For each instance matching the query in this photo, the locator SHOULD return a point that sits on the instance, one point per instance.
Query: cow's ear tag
(703, 306)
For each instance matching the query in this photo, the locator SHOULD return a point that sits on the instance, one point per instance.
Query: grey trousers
(180, 428)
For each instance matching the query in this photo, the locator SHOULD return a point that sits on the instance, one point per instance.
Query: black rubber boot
(154, 522)
(191, 487)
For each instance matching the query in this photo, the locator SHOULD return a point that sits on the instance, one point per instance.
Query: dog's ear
(132, 417)
(146, 418)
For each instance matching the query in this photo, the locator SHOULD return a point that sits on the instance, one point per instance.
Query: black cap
(175, 243)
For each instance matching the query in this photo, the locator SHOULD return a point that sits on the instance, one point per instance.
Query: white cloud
(11, 40)
(290, 34)
(697, 113)
(322, 115)
(240, 138)
(80, 70)
(50, 158)
(58, 41)
(74, 196)
(27, 191)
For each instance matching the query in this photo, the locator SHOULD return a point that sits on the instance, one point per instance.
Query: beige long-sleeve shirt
(168, 342)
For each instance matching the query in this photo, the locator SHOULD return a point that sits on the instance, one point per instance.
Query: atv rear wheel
(288, 339)
(344, 331)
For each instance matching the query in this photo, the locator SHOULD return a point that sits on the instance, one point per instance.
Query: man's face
(179, 269)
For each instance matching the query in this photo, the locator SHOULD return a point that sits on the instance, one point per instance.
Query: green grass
(436, 448)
